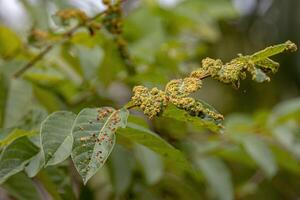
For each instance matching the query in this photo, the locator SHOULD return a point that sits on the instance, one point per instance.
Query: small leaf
(56, 136)
(15, 156)
(21, 187)
(260, 76)
(218, 177)
(181, 115)
(268, 64)
(261, 154)
(94, 138)
(273, 50)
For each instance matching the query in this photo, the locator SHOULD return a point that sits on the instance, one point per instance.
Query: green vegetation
(72, 129)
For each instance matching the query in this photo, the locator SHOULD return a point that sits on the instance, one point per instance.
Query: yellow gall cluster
(72, 13)
(183, 87)
(152, 102)
(230, 72)
(212, 66)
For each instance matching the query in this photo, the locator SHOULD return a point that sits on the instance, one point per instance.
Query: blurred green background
(257, 157)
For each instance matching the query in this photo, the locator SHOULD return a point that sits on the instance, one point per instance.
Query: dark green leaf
(146, 137)
(21, 187)
(15, 156)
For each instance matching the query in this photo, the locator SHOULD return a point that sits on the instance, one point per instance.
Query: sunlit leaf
(15, 134)
(10, 42)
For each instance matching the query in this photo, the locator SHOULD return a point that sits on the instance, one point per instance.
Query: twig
(33, 61)
(67, 35)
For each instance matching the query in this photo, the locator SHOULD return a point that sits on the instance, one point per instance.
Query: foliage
(69, 74)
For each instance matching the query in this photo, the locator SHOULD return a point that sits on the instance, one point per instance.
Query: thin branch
(32, 62)
(67, 35)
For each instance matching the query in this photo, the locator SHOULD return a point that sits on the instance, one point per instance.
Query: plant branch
(66, 35)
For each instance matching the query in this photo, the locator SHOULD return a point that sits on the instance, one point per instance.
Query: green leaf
(218, 177)
(21, 187)
(94, 138)
(273, 50)
(89, 65)
(261, 154)
(288, 136)
(59, 181)
(260, 76)
(49, 185)
(15, 156)
(146, 137)
(15, 134)
(56, 136)
(287, 110)
(10, 42)
(3, 93)
(268, 64)
(35, 165)
(18, 102)
(181, 115)
(122, 164)
(151, 163)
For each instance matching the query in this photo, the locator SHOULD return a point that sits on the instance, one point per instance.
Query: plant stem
(66, 35)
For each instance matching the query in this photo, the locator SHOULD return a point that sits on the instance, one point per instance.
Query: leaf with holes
(94, 138)
(56, 136)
